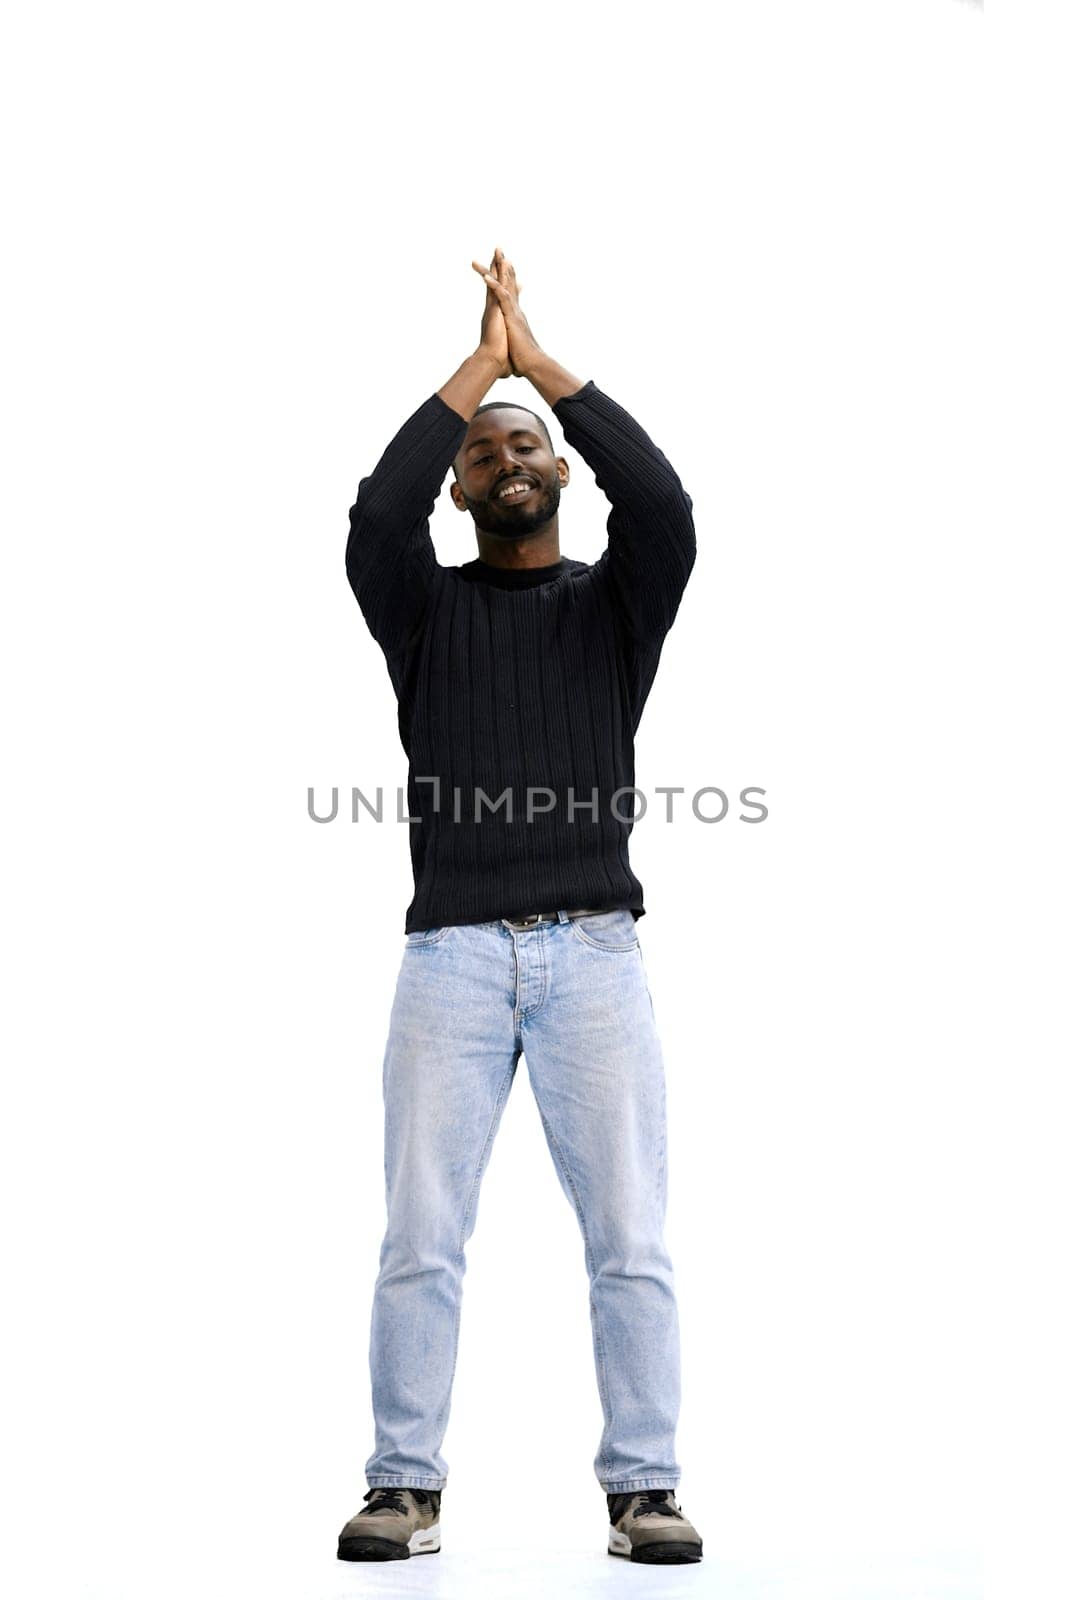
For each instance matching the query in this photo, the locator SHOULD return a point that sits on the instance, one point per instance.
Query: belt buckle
(524, 923)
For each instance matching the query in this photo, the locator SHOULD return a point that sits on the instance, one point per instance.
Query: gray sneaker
(396, 1523)
(648, 1525)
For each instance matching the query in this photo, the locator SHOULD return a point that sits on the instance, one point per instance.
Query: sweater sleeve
(389, 558)
(651, 536)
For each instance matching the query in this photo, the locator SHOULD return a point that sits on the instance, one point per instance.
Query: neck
(541, 549)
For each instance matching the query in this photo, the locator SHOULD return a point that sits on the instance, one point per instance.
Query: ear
(458, 497)
(563, 469)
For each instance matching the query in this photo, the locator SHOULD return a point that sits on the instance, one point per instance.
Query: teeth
(513, 489)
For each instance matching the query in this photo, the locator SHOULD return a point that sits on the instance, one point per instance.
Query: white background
(811, 248)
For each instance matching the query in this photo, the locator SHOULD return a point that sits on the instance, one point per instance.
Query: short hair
(509, 405)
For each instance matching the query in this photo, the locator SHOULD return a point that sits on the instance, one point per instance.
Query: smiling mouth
(513, 491)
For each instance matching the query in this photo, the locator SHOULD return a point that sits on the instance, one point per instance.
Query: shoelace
(391, 1499)
(651, 1501)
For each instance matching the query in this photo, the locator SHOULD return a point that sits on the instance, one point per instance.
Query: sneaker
(648, 1525)
(396, 1524)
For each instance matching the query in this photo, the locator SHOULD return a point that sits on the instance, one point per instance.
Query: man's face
(508, 479)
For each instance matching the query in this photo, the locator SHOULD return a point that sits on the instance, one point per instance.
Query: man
(520, 677)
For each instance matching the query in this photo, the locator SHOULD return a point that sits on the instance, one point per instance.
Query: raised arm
(651, 535)
(389, 557)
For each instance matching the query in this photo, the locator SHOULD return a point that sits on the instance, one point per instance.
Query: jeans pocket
(607, 930)
(424, 936)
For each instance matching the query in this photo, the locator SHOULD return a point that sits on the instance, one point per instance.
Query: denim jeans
(571, 997)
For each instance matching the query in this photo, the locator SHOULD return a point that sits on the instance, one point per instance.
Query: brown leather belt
(532, 920)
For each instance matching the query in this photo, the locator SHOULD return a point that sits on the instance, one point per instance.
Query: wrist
(468, 386)
(485, 361)
(551, 381)
(527, 360)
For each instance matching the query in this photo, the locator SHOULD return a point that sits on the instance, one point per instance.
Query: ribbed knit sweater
(529, 683)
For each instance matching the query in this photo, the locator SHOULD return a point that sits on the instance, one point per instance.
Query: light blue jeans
(570, 997)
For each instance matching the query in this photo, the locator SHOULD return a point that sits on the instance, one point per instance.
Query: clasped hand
(506, 334)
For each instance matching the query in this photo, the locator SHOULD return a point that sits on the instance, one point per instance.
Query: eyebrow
(514, 434)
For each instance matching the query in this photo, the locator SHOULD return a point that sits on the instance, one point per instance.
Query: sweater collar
(480, 571)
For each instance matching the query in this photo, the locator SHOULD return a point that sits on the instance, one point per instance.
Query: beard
(516, 522)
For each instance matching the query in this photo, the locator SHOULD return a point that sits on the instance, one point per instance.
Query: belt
(532, 920)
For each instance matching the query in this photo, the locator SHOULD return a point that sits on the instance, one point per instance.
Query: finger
(483, 273)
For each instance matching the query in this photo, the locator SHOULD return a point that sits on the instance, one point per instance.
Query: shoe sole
(364, 1547)
(668, 1551)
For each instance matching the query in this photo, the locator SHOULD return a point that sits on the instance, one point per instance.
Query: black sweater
(525, 682)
